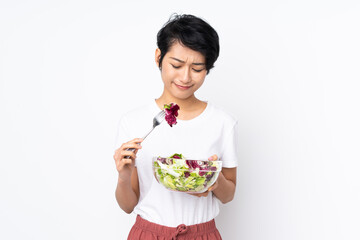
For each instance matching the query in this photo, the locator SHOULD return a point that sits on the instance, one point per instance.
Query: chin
(183, 97)
(179, 94)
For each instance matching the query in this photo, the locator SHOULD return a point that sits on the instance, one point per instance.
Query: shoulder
(138, 118)
(137, 115)
(219, 114)
(136, 112)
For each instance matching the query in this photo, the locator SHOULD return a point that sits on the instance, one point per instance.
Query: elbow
(127, 210)
(227, 200)
(126, 206)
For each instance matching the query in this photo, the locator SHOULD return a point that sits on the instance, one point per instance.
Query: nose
(185, 76)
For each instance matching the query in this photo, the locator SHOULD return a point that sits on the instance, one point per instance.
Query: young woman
(187, 50)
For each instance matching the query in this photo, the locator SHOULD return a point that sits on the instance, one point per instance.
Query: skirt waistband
(206, 227)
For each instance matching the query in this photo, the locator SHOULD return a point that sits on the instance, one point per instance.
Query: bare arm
(225, 190)
(127, 191)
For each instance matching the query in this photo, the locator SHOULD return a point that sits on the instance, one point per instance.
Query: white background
(288, 70)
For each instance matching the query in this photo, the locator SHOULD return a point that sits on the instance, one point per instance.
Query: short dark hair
(191, 32)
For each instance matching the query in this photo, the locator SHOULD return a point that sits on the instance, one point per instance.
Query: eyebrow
(184, 61)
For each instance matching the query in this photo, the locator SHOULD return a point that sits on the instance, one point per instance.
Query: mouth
(182, 87)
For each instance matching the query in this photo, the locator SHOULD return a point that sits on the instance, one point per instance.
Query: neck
(187, 104)
(189, 108)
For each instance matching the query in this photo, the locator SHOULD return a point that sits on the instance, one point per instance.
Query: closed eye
(175, 66)
(196, 70)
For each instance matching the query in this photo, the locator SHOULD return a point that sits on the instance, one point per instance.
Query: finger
(136, 140)
(213, 158)
(120, 153)
(117, 155)
(131, 145)
(204, 194)
(213, 187)
(125, 153)
(126, 161)
(125, 146)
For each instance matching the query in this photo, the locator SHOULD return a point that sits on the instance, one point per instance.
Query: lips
(183, 87)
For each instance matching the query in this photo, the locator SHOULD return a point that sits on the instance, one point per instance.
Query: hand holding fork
(156, 122)
(123, 155)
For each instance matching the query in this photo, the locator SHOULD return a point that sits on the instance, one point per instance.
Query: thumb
(213, 158)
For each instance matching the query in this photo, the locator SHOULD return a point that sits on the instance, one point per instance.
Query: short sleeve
(230, 155)
(121, 134)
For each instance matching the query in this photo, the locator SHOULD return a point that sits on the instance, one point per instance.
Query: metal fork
(156, 122)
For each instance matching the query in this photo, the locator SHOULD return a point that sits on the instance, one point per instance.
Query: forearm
(125, 196)
(225, 190)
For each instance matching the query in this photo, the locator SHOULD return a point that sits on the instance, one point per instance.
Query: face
(183, 71)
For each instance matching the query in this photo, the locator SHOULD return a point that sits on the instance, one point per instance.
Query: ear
(157, 57)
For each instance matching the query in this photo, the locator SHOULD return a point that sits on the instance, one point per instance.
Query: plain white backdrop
(288, 70)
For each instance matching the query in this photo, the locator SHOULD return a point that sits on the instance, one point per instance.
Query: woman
(187, 50)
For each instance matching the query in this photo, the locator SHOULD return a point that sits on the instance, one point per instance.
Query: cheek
(200, 79)
(168, 75)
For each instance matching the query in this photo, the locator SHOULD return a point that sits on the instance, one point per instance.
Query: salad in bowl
(185, 175)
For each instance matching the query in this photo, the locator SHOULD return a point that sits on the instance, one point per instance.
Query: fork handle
(148, 133)
(129, 149)
(133, 149)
